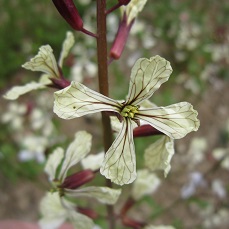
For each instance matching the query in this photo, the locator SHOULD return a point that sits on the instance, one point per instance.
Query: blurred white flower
(218, 220)
(83, 67)
(222, 154)
(196, 151)
(14, 115)
(218, 188)
(41, 120)
(33, 148)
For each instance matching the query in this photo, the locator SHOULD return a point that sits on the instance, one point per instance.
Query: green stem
(104, 86)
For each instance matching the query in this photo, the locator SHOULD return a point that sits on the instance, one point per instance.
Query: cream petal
(78, 100)
(67, 45)
(80, 221)
(102, 194)
(119, 163)
(53, 162)
(17, 91)
(52, 211)
(93, 161)
(76, 151)
(159, 154)
(134, 8)
(147, 75)
(175, 120)
(44, 61)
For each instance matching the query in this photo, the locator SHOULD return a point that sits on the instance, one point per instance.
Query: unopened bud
(78, 179)
(88, 212)
(132, 223)
(124, 2)
(70, 13)
(121, 38)
(145, 130)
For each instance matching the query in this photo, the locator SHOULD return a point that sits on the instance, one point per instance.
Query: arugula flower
(147, 75)
(44, 62)
(55, 208)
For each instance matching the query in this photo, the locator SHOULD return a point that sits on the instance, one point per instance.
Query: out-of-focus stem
(104, 86)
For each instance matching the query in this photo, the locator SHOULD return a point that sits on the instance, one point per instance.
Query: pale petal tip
(195, 119)
(116, 179)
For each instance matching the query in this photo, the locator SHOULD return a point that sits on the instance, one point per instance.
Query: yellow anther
(129, 111)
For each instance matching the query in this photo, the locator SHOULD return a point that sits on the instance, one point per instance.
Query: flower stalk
(104, 86)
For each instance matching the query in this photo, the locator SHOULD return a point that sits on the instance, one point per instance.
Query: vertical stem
(104, 86)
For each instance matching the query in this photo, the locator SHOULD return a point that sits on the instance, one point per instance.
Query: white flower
(76, 151)
(147, 75)
(44, 62)
(55, 208)
(145, 184)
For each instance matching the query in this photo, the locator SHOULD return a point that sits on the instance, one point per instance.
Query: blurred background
(192, 35)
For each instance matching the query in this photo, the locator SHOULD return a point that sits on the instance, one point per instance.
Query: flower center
(129, 111)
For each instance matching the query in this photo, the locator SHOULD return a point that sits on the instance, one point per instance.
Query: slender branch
(104, 86)
(113, 8)
(83, 30)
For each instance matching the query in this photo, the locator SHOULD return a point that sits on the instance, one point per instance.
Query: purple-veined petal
(159, 154)
(44, 61)
(119, 164)
(147, 75)
(78, 100)
(175, 120)
(17, 91)
(66, 46)
(102, 194)
(76, 151)
(53, 162)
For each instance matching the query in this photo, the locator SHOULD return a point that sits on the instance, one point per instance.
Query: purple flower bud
(78, 179)
(124, 2)
(132, 223)
(88, 212)
(121, 38)
(69, 12)
(145, 130)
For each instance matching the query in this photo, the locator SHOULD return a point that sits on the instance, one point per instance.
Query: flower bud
(146, 130)
(124, 2)
(78, 179)
(132, 223)
(69, 12)
(121, 38)
(88, 212)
